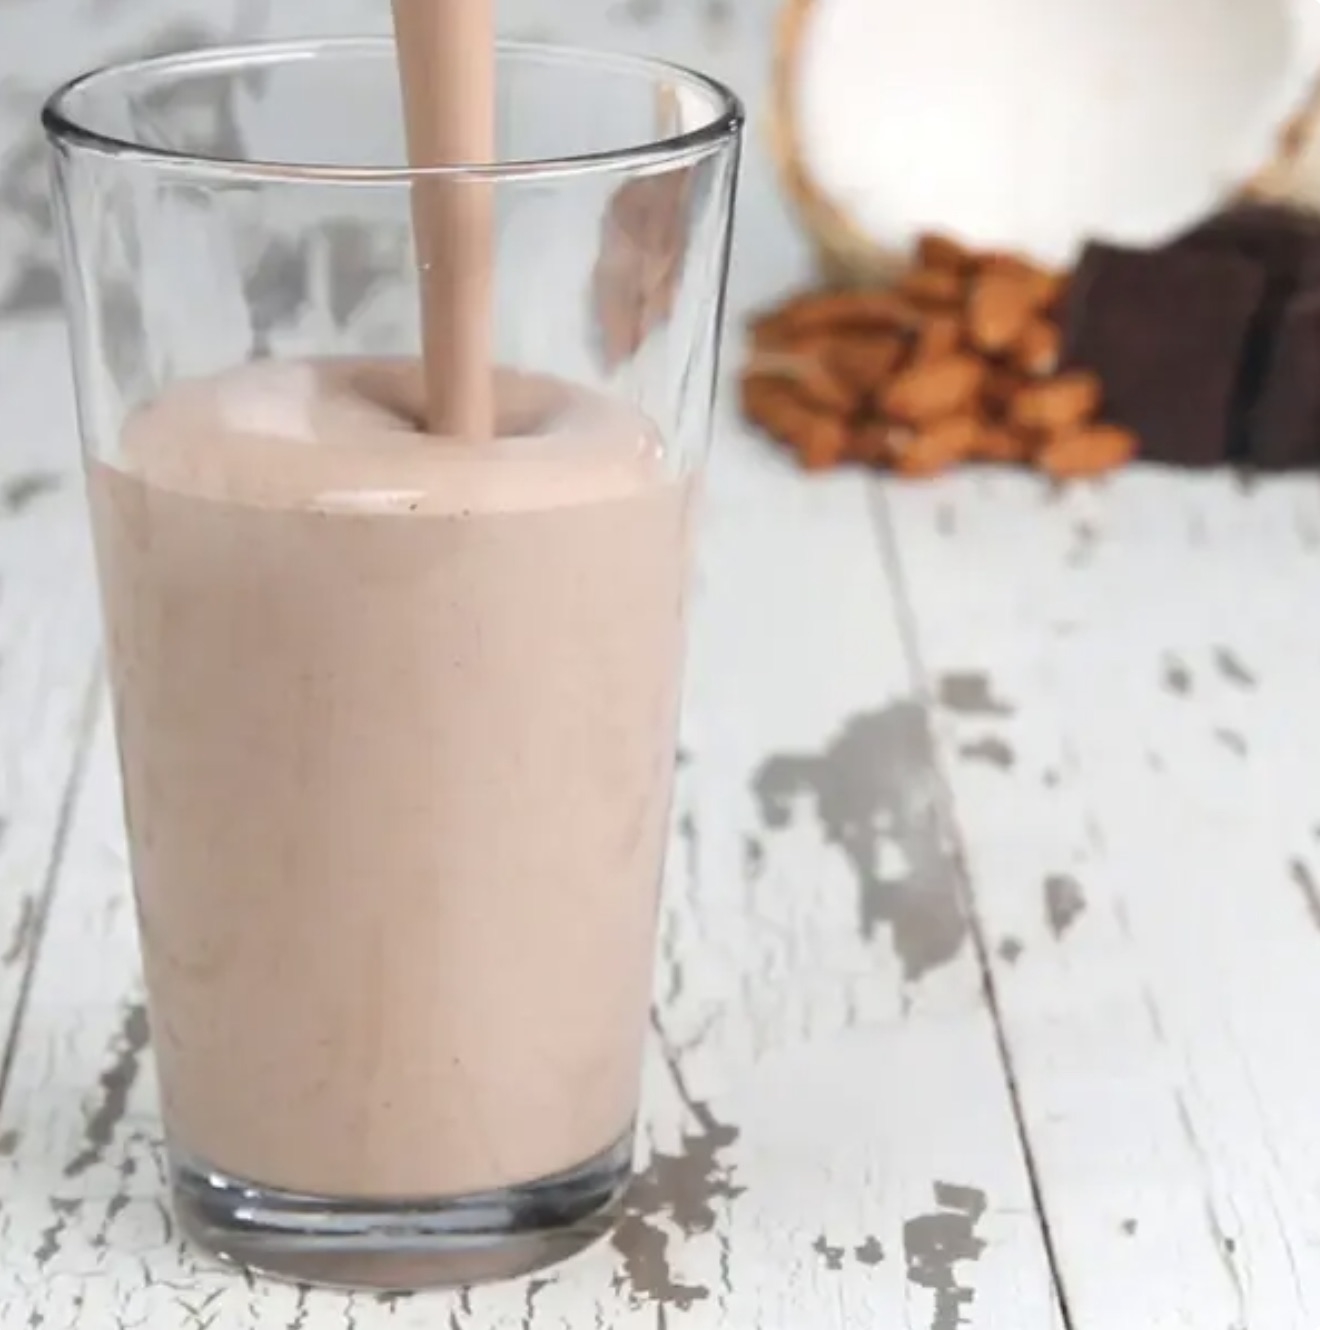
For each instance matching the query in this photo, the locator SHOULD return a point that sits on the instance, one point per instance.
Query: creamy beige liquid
(397, 722)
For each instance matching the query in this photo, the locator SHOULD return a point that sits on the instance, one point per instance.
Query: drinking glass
(396, 714)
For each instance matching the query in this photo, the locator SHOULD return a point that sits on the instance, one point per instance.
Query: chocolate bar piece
(1285, 423)
(1285, 242)
(1166, 330)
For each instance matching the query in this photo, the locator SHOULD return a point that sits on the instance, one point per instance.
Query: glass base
(401, 1246)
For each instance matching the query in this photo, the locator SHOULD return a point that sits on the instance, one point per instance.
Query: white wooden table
(991, 963)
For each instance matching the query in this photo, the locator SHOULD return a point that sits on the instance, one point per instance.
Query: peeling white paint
(1155, 990)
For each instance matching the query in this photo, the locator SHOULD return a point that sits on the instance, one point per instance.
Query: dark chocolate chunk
(1166, 331)
(1285, 424)
(1285, 241)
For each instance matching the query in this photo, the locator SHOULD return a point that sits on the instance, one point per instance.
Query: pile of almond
(958, 361)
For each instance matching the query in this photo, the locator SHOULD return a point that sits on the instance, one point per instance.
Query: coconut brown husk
(1292, 175)
(849, 257)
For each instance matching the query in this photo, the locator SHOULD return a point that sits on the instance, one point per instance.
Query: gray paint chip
(1177, 677)
(991, 751)
(34, 289)
(1065, 903)
(1305, 882)
(117, 1083)
(935, 1244)
(970, 693)
(870, 1252)
(876, 785)
(831, 1255)
(1232, 668)
(20, 492)
(682, 1189)
(25, 929)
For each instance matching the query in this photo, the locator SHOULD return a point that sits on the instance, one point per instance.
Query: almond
(834, 311)
(998, 443)
(816, 382)
(823, 445)
(937, 287)
(1001, 387)
(866, 363)
(1050, 288)
(932, 389)
(938, 447)
(819, 439)
(1040, 286)
(877, 443)
(1039, 349)
(1057, 404)
(999, 311)
(940, 336)
(939, 251)
(1091, 450)
(771, 404)
(1005, 261)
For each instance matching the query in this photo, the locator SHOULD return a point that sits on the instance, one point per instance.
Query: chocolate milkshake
(397, 719)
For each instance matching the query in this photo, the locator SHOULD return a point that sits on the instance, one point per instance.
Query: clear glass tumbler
(396, 712)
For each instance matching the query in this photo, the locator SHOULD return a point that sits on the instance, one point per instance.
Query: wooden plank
(47, 649)
(1127, 677)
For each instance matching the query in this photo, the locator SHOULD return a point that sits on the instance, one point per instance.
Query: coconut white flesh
(1035, 124)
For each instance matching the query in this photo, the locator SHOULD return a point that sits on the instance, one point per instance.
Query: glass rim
(65, 129)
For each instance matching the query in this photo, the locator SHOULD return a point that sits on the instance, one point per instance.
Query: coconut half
(1034, 125)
